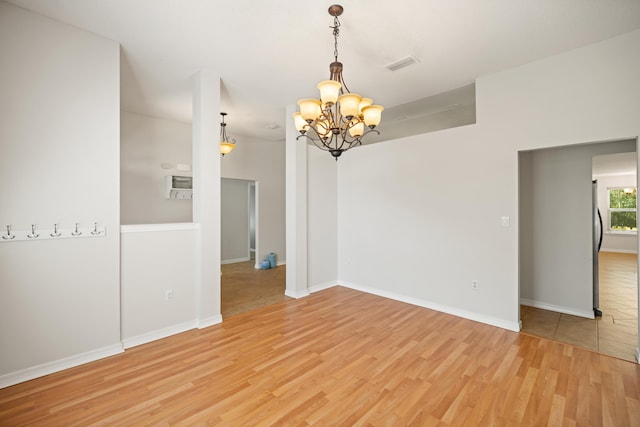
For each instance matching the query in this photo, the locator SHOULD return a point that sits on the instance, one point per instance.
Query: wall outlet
(475, 285)
(168, 295)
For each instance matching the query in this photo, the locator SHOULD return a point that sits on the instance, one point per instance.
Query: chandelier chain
(336, 33)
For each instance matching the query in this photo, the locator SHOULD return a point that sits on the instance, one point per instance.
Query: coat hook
(95, 231)
(76, 233)
(55, 233)
(8, 236)
(33, 234)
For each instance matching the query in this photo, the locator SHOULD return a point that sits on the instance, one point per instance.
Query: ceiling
(270, 53)
(615, 164)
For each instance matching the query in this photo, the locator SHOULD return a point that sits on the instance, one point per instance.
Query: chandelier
(226, 145)
(336, 122)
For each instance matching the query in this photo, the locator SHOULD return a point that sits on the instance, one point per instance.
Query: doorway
(238, 212)
(555, 243)
(244, 286)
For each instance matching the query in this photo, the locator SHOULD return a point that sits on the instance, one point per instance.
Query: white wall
(59, 127)
(157, 259)
(558, 258)
(322, 218)
(611, 241)
(419, 218)
(234, 206)
(147, 143)
(263, 162)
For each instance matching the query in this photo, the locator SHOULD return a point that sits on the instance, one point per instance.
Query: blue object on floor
(272, 259)
(265, 264)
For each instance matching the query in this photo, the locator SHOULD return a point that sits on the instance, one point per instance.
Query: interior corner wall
(322, 219)
(263, 162)
(419, 218)
(146, 144)
(59, 127)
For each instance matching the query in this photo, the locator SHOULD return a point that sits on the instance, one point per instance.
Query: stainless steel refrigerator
(597, 244)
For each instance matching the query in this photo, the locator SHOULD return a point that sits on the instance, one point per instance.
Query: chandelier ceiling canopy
(340, 119)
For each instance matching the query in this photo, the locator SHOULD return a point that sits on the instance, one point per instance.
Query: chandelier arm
(317, 139)
(344, 85)
(347, 125)
(327, 146)
(349, 140)
(317, 142)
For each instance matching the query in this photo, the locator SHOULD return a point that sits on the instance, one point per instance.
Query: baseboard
(557, 308)
(296, 295)
(91, 356)
(235, 260)
(59, 365)
(620, 251)
(210, 321)
(158, 334)
(322, 286)
(171, 330)
(493, 321)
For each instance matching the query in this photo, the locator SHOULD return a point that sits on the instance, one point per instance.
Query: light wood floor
(337, 358)
(243, 288)
(616, 332)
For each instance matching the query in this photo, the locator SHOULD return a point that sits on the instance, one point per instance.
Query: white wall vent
(401, 63)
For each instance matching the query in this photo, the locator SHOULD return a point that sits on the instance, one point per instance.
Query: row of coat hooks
(34, 233)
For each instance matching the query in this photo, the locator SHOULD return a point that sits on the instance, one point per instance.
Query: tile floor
(616, 332)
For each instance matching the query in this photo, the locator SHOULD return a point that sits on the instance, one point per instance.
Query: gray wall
(234, 205)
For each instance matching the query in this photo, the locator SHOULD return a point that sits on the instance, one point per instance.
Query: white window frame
(610, 210)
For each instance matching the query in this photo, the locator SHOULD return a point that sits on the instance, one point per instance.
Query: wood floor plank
(337, 357)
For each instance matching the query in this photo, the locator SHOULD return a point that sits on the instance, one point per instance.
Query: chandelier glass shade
(340, 119)
(226, 145)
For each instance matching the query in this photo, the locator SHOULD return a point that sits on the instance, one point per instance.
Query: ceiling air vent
(401, 63)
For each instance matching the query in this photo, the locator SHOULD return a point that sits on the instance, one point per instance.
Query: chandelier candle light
(226, 145)
(336, 122)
